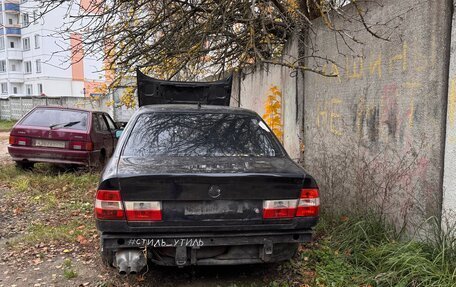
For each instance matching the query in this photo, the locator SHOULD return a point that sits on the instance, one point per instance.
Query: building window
(25, 19)
(10, 21)
(26, 42)
(2, 66)
(35, 18)
(2, 43)
(4, 88)
(13, 67)
(37, 41)
(28, 90)
(40, 89)
(38, 66)
(14, 90)
(12, 45)
(28, 67)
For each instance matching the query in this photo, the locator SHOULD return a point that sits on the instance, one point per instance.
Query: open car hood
(154, 91)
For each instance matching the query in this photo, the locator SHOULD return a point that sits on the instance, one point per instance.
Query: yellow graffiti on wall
(273, 114)
(328, 115)
(452, 108)
(376, 66)
(401, 57)
(415, 87)
(452, 102)
(407, 58)
(378, 93)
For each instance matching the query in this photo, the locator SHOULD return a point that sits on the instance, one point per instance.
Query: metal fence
(13, 108)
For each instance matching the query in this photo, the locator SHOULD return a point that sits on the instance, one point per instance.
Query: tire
(102, 160)
(25, 165)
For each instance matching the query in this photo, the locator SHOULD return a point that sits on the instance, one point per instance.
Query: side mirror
(121, 125)
(118, 133)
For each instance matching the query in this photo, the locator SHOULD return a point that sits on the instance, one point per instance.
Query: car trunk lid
(53, 128)
(209, 189)
(46, 137)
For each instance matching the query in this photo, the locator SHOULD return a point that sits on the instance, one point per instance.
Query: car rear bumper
(122, 226)
(50, 155)
(227, 248)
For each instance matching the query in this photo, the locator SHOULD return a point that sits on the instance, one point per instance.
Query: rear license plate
(212, 210)
(166, 242)
(49, 143)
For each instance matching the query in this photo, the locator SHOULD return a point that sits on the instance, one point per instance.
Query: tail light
(143, 210)
(108, 205)
(279, 208)
(307, 205)
(23, 141)
(81, 145)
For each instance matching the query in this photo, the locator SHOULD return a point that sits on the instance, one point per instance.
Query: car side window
(103, 125)
(111, 124)
(96, 123)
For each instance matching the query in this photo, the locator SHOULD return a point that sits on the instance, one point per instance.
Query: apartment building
(37, 60)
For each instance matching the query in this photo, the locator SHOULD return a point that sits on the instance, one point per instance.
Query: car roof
(67, 108)
(182, 108)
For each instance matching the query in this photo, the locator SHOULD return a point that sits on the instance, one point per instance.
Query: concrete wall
(387, 104)
(449, 179)
(251, 87)
(376, 130)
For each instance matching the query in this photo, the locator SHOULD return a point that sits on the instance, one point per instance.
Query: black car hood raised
(154, 91)
(132, 166)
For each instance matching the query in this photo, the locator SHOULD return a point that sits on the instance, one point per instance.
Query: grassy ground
(63, 199)
(47, 216)
(367, 252)
(6, 126)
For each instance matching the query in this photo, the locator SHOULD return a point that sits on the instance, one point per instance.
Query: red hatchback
(62, 136)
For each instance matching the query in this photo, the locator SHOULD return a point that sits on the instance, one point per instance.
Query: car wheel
(25, 165)
(102, 161)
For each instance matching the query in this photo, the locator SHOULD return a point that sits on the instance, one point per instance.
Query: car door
(96, 135)
(112, 128)
(108, 142)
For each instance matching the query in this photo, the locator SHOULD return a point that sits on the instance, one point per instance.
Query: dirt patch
(4, 156)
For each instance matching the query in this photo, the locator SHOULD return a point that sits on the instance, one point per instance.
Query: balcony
(11, 25)
(11, 32)
(14, 54)
(11, 8)
(16, 77)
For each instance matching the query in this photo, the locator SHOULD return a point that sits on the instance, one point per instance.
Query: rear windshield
(213, 135)
(53, 118)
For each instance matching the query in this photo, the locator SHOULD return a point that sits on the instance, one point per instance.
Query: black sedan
(202, 185)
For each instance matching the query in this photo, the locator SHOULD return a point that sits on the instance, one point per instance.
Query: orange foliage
(273, 114)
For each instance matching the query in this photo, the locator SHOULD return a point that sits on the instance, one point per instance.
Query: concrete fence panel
(385, 109)
(13, 108)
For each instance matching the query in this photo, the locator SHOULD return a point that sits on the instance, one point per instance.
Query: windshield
(53, 118)
(213, 135)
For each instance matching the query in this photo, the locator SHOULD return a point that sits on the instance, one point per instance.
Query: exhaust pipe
(130, 261)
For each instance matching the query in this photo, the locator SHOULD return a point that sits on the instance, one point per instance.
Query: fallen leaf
(81, 239)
